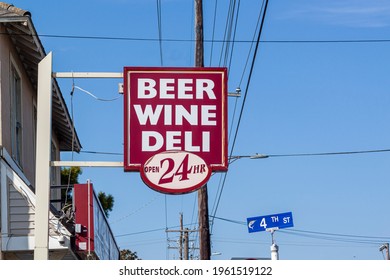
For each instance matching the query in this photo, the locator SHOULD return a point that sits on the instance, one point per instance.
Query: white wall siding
(20, 211)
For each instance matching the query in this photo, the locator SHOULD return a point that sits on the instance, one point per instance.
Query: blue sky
(319, 85)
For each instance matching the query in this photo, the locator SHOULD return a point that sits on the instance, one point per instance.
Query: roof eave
(35, 51)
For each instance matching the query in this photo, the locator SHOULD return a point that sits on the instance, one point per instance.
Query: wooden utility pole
(204, 227)
(186, 242)
(183, 240)
(181, 237)
(199, 57)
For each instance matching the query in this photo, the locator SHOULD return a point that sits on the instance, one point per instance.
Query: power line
(250, 49)
(148, 231)
(140, 232)
(213, 34)
(364, 239)
(229, 220)
(340, 235)
(335, 237)
(299, 244)
(94, 96)
(331, 153)
(311, 154)
(221, 186)
(244, 102)
(234, 33)
(159, 26)
(102, 153)
(228, 32)
(236, 100)
(323, 41)
(250, 75)
(270, 155)
(86, 37)
(136, 210)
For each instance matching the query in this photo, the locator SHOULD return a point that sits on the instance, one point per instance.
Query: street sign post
(275, 221)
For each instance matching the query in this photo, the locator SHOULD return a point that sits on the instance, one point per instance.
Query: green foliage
(126, 254)
(70, 175)
(107, 202)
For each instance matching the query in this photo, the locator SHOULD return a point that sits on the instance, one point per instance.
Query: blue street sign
(276, 221)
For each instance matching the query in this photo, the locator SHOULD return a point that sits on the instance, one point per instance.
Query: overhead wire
(348, 238)
(295, 41)
(136, 210)
(148, 231)
(299, 244)
(139, 232)
(251, 46)
(234, 34)
(271, 155)
(340, 234)
(261, 156)
(223, 176)
(213, 33)
(159, 27)
(192, 32)
(94, 96)
(102, 153)
(143, 243)
(242, 106)
(330, 153)
(335, 237)
(224, 49)
(249, 77)
(228, 31)
(303, 155)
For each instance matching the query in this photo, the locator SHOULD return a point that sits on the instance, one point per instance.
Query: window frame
(16, 113)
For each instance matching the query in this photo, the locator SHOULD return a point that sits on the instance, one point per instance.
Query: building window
(16, 116)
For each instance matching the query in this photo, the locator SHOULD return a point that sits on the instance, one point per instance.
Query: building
(20, 53)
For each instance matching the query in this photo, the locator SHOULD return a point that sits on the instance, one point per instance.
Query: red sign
(93, 235)
(175, 109)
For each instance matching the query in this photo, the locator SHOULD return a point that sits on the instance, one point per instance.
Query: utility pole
(199, 57)
(186, 242)
(181, 237)
(204, 227)
(183, 240)
(385, 247)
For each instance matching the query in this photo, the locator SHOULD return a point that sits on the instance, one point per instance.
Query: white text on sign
(167, 115)
(183, 87)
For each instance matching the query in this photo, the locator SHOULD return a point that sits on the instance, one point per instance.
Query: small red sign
(175, 109)
(174, 172)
